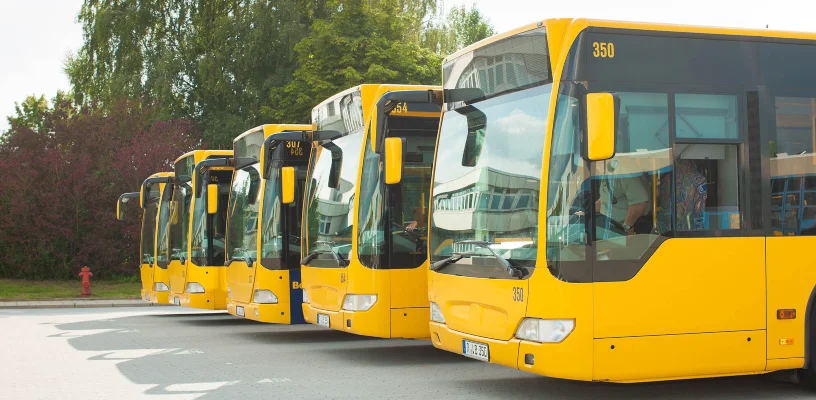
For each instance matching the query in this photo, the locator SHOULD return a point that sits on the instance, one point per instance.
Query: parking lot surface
(178, 353)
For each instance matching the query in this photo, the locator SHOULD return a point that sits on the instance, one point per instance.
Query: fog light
(545, 330)
(436, 314)
(257, 313)
(193, 287)
(160, 287)
(264, 297)
(359, 302)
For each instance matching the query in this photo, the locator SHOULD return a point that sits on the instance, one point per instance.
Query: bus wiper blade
(451, 260)
(513, 271)
(336, 254)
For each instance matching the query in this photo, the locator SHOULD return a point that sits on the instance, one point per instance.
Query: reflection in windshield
(330, 211)
(487, 177)
(179, 222)
(163, 237)
(148, 230)
(243, 213)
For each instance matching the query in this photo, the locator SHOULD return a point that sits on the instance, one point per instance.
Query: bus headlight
(359, 302)
(436, 314)
(305, 296)
(193, 287)
(545, 330)
(264, 297)
(160, 287)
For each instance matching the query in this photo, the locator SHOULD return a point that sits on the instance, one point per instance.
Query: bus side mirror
(124, 198)
(393, 160)
(212, 198)
(602, 125)
(287, 185)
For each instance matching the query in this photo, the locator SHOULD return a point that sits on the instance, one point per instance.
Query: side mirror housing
(175, 210)
(125, 198)
(602, 124)
(212, 198)
(287, 185)
(393, 160)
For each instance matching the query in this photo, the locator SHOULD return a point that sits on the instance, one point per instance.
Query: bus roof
(200, 155)
(270, 129)
(646, 26)
(369, 95)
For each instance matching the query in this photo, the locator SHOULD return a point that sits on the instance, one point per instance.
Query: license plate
(176, 301)
(239, 311)
(476, 350)
(323, 320)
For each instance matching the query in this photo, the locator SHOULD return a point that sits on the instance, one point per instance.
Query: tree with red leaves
(61, 177)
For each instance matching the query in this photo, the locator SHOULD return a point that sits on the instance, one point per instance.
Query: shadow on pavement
(754, 387)
(214, 321)
(223, 357)
(309, 335)
(422, 353)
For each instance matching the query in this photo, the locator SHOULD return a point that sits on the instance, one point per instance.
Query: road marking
(190, 351)
(198, 386)
(275, 380)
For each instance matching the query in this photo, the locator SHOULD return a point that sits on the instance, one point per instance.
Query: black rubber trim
(808, 330)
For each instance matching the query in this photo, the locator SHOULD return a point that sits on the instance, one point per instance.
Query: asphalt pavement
(178, 353)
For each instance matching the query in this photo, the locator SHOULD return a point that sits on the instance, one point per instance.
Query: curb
(9, 305)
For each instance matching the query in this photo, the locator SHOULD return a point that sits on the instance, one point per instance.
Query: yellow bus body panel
(674, 320)
(210, 277)
(243, 280)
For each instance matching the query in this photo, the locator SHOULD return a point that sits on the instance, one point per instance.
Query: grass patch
(22, 290)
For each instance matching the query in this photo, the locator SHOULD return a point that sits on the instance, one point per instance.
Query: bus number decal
(518, 294)
(603, 50)
(294, 148)
(400, 108)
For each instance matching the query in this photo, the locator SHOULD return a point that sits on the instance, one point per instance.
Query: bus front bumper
(267, 313)
(502, 352)
(204, 301)
(376, 322)
(155, 297)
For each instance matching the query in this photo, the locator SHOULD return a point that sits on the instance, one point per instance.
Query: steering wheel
(614, 226)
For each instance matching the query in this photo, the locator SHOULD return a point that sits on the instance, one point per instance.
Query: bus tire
(807, 375)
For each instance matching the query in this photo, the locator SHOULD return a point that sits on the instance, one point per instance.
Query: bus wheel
(807, 375)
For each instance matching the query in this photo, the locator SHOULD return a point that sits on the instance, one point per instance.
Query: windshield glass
(243, 214)
(330, 211)
(179, 222)
(393, 217)
(487, 179)
(148, 232)
(163, 237)
(204, 223)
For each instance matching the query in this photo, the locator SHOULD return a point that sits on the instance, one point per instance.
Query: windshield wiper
(516, 272)
(450, 260)
(336, 254)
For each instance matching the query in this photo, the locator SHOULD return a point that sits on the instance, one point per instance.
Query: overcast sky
(37, 35)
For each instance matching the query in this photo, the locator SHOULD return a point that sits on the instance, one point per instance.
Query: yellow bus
(197, 229)
(643, 155)
(153, 196)
(364, 248)
(263, 230)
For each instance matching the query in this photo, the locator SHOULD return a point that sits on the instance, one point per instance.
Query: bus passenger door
(679, 286)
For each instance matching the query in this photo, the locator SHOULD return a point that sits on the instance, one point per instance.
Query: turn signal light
(786, 314)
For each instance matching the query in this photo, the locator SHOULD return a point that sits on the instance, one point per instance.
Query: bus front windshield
(486, 184)
(163, 235)
(179, 222)
(330, 210)
(242, 233)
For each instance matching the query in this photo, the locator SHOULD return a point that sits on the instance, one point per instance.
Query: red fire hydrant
(86, 281)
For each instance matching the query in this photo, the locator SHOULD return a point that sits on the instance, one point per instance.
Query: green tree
(30, 114)
(461, 27)
(363, 42)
